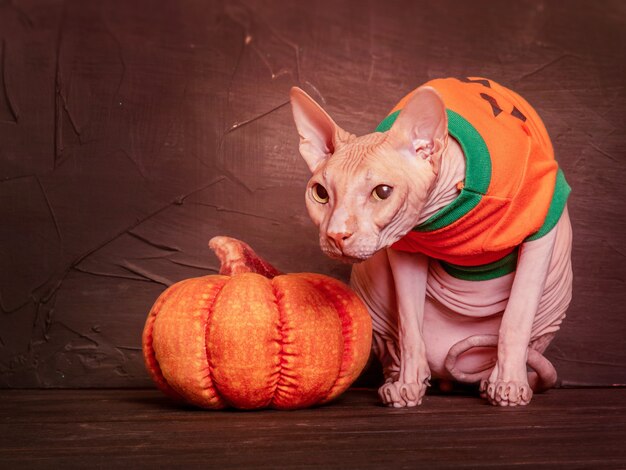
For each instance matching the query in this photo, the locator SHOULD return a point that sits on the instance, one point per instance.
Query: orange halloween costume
(513, 189)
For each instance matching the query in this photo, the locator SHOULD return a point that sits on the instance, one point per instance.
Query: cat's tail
(541, 378)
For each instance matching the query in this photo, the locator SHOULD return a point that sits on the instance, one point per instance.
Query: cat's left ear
(319, 135)
(421, 128)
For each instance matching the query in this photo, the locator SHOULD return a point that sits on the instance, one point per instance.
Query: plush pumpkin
(255, 338)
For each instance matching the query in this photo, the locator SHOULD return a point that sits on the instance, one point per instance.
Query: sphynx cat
(368, 195)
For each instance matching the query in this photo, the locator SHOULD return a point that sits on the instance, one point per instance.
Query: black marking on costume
(518, 114)
(482, 81)
(494, 104)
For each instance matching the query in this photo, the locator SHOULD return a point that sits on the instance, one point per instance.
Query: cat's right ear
(319, 135)
(422, 126)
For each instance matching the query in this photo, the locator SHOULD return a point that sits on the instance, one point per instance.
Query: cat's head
(366, 193)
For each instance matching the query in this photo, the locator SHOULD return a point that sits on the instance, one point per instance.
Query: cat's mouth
(345, 257)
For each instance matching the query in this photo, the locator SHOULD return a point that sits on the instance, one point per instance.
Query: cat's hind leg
(546, 311)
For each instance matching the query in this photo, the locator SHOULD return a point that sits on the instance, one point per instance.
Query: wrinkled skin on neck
(354, 224)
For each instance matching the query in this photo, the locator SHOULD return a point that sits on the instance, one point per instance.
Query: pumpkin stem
(237, 257)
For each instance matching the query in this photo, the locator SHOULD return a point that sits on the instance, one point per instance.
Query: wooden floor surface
(584, 428)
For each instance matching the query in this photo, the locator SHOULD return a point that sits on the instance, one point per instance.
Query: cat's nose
(338, 239)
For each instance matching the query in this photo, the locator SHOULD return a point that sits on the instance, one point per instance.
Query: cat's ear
(319, 135)
(421, 129)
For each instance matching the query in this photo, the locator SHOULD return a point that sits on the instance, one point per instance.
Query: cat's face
(367, 192)
(366, 196)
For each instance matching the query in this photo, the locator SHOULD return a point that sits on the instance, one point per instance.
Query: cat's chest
(469, 298)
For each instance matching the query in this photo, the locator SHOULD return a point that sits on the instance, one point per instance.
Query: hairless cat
(454, 214)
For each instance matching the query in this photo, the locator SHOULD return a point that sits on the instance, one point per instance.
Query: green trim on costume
(477, 170)
(484, 272)
(557, 205)
(386, 123)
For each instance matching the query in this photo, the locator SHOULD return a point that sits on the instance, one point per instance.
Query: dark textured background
(131, 132)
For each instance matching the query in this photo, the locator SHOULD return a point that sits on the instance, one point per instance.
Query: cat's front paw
(401, 395)
(506, 391)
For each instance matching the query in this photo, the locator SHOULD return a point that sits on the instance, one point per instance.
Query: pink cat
(454, 213)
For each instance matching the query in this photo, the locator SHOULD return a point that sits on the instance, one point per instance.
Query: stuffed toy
(253, 338)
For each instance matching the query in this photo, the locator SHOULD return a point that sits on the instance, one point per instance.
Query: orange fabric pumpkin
(256, 341)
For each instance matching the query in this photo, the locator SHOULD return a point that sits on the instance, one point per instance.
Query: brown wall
(131, 132)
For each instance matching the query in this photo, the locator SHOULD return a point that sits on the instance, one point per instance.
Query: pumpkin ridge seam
(347, 331)
(281, 325)
(155, 368)
(209, 309)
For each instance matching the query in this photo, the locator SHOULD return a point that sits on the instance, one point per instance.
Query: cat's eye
(319, 193)
(381, 192)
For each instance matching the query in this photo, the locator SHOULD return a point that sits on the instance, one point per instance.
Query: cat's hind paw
(506, 393)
